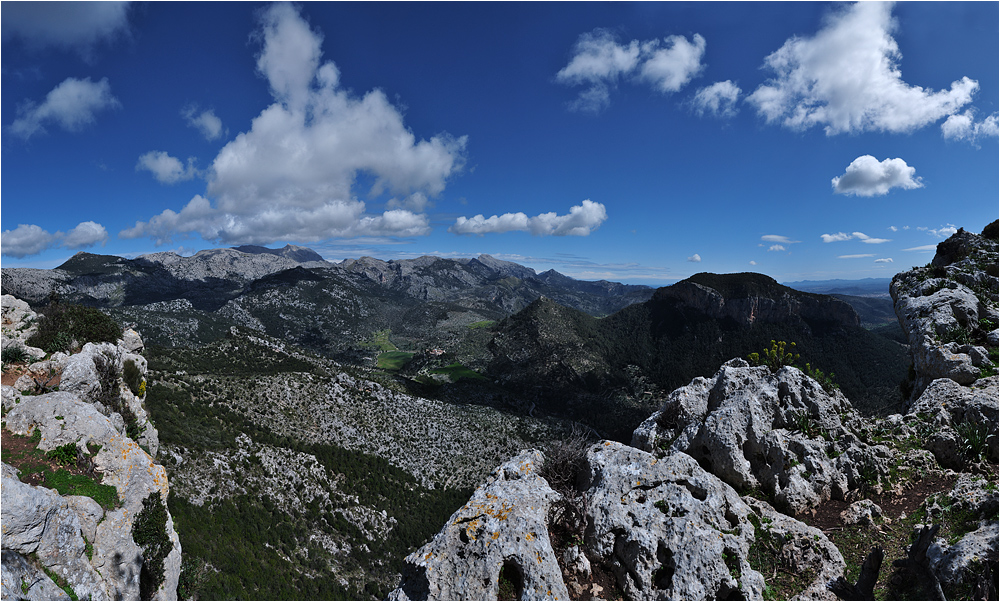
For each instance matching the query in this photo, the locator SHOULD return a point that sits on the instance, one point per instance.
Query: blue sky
(638, 142)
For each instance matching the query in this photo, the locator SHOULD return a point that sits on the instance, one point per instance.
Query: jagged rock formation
(779, 433)
(663, 528)
(18, 324)
(89, 547)
(948, 310)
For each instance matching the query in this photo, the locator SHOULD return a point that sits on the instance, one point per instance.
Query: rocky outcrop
(777, 433)
(949, 312)
(749, 298)
(18, 323)
(957, 415)
(84, 543)
(657, 528)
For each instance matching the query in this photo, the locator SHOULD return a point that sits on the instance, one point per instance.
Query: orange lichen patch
(538, 557)
(530, 536)
(496, 534)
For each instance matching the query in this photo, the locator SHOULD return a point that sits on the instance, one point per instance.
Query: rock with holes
(17, 323)
(776, 432)
(788, 544)
(666, 528)
(971, 562)
(10, 396)
(499, 539)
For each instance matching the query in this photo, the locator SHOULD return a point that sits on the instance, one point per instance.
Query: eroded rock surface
(778, 433)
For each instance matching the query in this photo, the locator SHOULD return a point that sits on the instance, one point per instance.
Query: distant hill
(291, 293)
(686, 330)
(866, 287)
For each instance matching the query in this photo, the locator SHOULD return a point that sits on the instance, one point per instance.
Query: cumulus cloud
(85, 234)
(964, 126)
(71, 25)
(846, 79)
(842, 236)
(581, 220)
(752, 262)
(205, 122)
(696, 258)
(717, 100)
(29, 239)
(291, 176)
(776, 248)
(599, 62)
(166, 169)
(884, 260)
(866, 176)
(71, 105)
(670, 68)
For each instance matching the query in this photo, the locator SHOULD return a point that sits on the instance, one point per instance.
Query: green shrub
(15, 354)
(61, 324)
(64, 454)
(70, 484)
(775, 357)
(825, 380)
(973, 439)
(132, 377)
(149, 532)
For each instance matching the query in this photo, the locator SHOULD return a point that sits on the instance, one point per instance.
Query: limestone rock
(967, 561)
(666, 528)
(949, 311)
(780, 433)
(17, 323)
(502, 528)
(23, 581)
(951, 407)
(861, 512)
(36, 519)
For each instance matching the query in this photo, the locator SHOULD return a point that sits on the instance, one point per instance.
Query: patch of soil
(22, 453)
(826, 516)
(15, 372)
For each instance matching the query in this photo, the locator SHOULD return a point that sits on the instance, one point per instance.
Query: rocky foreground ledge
(108, 536)
(712, 498)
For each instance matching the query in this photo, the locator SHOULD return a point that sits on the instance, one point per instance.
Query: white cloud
(752, 262)
(581, 220)
(72, 105)
(670, 68)
(599, 62)
(778, 238)
(943, 231)
(866, 176)
(964, 126)
(291, 176)
(884, 260)
(205, 122)
(846, 78)
(75, 25)
(776, 248)
(166, 169)
(85, 234)
(922, 248)
(696, 258)
(717, 100)
(893, 228)
(26, 239)
(842, 236)
(29, 239)
(858, 256)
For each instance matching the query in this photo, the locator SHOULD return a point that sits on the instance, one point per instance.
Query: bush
(775, 357)
(106, 364)
(149, 532)
(61, 324)
(133, 378)
(15, 354)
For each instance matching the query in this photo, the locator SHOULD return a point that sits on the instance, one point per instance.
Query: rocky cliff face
(83, 500)
(948, 310)
(749, 298)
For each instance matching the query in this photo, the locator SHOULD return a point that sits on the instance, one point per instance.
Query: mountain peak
(293, 252)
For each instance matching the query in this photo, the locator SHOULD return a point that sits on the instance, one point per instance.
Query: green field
(456, 372)
(393, 360)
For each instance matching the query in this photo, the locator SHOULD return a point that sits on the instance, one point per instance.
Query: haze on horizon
(636, 142)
